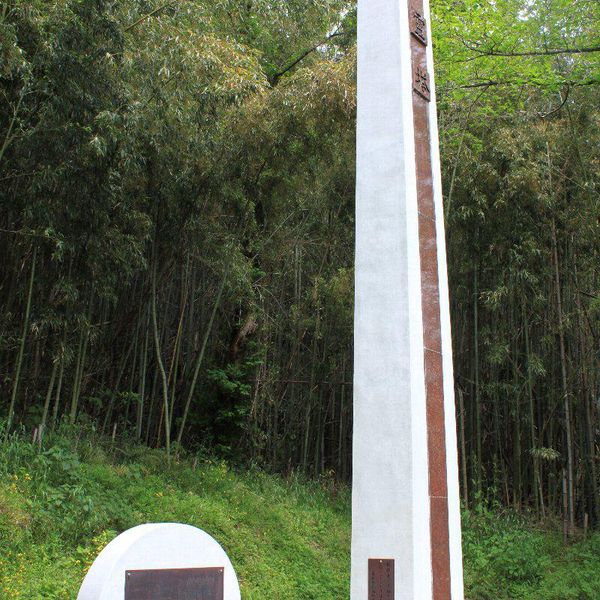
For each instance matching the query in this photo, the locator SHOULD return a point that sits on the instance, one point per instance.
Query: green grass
(288, 539)
(60, 506)
(507, 558)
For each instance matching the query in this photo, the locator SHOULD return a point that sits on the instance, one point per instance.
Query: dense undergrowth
(288, 539)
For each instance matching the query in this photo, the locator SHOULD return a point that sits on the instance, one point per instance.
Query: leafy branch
(547, 52)
(277, 76)
(151, 14)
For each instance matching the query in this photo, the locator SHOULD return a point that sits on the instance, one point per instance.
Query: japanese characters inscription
(421, 83)
(418, 25)
(381, 579)
(418, 30)
(175, 584)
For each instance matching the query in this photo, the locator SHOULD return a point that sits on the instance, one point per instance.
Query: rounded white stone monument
(160, 551)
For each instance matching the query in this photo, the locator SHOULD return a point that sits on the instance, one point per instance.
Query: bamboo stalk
(19, 364)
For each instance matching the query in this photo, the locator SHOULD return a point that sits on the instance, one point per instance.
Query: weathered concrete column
(406, 541)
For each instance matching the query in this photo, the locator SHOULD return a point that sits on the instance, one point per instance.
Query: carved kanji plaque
(421, 82)
(175, 584)
(381, 579)
(418, 25)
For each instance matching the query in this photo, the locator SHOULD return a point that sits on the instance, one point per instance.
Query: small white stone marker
(159, 557)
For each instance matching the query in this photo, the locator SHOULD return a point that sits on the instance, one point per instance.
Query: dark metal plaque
(381, 579)
(175, 584)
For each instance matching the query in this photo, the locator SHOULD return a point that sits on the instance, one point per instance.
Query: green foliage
(503, 556)
(518, 101)
(288, 538)
(212, 144)
(181, 138)
(503, 45)
(506, 558)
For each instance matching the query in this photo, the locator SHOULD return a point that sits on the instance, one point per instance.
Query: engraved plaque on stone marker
(175, 584)
(381, 579)
(418, 25)
(421, 81)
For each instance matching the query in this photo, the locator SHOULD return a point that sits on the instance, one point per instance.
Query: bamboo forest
(177, 195)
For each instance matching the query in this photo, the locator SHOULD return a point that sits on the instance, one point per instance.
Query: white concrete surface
(390, 481)
(155, 546)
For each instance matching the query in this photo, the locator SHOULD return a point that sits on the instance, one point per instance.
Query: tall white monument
(406, 541)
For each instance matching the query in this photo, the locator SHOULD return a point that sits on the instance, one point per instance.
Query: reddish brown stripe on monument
(434, 380)
(440, 560)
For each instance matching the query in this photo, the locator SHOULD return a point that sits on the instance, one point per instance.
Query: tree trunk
(48, 398)
(565, 388)
(199, 361)
(19, 364)
(160, 365)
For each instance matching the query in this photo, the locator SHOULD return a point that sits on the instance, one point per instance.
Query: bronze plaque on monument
(421, 80)
(175, 584)
(381, 579)
(418, 25)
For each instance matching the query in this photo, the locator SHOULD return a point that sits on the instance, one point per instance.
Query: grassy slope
(287, 540)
